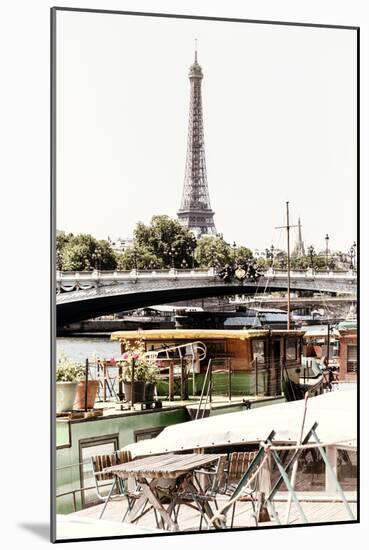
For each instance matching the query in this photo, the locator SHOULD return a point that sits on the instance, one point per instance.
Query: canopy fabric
(335, 413)
(320, 333)
(197, 334)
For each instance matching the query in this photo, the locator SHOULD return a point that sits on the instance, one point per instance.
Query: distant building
(121, 244)
(263, 253)
(348, 350)
(259, 253)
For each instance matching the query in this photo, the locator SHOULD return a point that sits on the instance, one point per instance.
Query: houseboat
(322, 488)
(240, 369)
(241, 362)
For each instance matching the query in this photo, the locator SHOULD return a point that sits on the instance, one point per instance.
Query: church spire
(299, 248)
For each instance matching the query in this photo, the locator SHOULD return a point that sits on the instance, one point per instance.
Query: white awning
(335, 413)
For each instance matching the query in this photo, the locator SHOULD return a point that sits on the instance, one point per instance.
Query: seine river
(80, 349)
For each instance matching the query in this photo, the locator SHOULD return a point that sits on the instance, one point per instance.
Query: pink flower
(135, 355)
(125, 356)
(112, 360)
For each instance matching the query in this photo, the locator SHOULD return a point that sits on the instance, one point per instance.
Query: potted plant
(134, 358)
(68, 374)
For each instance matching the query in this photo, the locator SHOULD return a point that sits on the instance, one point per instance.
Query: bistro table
(165, 479)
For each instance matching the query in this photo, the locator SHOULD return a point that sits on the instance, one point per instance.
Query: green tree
(262, 264)
(242, 255)
(300, 263)
(62, 241)
(84, 252)
(167, 240)
(212, 251)
(139, 257)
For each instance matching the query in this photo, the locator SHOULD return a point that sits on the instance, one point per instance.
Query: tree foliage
(242, 254)
(84, 252)
(138, 257)
(212, 251)
(166, 240)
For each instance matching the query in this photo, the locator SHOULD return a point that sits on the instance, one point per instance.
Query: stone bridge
(87, 295)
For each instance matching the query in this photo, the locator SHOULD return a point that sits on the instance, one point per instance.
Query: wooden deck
(315, 510)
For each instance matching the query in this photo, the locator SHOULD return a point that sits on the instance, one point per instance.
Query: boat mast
(288, 270)
(288, 227)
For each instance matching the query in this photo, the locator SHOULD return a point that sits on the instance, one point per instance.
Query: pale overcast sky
(279, 118)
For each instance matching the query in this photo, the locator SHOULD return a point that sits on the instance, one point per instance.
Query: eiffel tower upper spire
(195, 211)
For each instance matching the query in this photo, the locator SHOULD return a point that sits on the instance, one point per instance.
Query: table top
(165, 466)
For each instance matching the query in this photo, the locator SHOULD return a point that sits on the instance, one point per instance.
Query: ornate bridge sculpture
(86, 295)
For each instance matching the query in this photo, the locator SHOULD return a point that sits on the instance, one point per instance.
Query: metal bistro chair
(224, 480)
(100, 462)
(238, 464)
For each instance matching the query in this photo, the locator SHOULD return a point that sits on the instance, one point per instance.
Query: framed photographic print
(205, 269)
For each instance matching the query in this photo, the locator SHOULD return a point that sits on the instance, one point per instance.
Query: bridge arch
(88, 307)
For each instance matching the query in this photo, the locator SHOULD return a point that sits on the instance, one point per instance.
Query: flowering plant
(68, 370)
(143, 369)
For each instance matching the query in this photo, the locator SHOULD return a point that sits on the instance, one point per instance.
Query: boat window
(258, 351)
(291, 349)
(148, 433)
(63, 434)
(352, 358)
(92, 447)
(215, 349)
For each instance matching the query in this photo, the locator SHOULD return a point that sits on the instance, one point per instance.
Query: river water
(79, 349)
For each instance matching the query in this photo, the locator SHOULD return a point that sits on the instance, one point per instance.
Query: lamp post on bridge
(352, 253)
(59, 261)
(96, 257)
(311, 253)
(234, 248)
(326, 250)
(269, 254)
(173, 253)
(135, 256)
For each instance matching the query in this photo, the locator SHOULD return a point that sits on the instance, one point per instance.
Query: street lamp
(59, 261)
(96, 257)
(352, 253)
(269, 253)
(212, 254)
(311, 253)
(234, 248)
(173, 253)
(326, 250)
(135, 255)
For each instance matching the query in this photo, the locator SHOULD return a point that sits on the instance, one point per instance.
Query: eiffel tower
(195, 211)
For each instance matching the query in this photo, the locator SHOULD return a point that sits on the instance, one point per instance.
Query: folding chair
(238, 463)
(100, 462)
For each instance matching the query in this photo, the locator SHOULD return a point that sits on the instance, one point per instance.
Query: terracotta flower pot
(92, 389)
(65, 394)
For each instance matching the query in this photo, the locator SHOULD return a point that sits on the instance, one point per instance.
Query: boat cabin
(245, 362)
